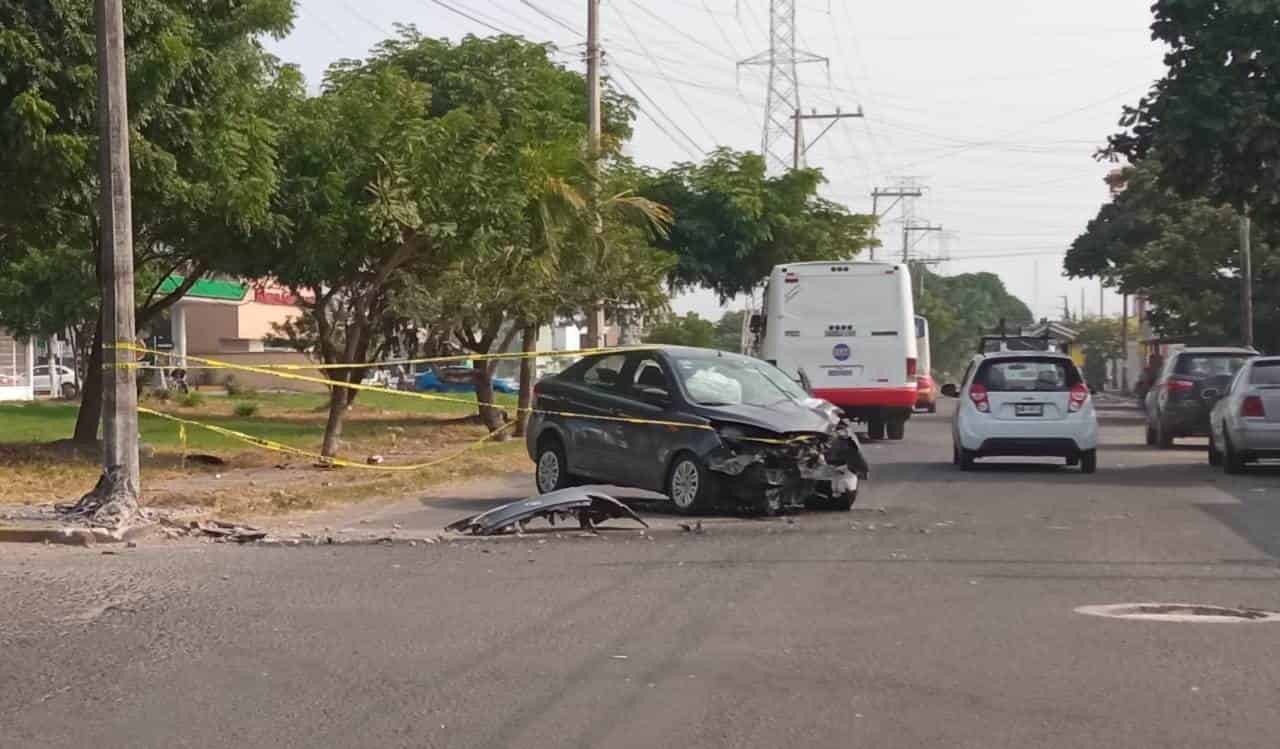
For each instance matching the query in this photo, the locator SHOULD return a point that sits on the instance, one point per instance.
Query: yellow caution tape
(280, 447)
(389, 363)
(461, 401)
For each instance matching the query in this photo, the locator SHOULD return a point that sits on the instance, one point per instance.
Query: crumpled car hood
(783, 417)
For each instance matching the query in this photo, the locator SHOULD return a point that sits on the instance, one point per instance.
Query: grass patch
(401, 430)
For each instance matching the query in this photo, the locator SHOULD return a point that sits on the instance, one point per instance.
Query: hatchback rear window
(1209, 365)
(1265, 373)
(1027, 374)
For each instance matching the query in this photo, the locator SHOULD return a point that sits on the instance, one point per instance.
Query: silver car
(1244, 426)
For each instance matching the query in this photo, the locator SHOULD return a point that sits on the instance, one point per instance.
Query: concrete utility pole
(1246, 278)
(798, 147)
(595, 316)
(115, 499)
(907, 230)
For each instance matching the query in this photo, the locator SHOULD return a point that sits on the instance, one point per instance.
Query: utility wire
(696, 151)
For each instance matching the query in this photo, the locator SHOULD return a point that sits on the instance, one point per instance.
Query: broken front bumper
(773, 477)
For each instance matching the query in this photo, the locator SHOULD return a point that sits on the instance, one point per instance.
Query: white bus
(850, 328)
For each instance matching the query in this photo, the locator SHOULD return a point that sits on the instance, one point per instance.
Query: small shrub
(237, 389)
(191, 400)
(246, 410)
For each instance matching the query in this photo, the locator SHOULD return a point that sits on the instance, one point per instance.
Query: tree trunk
(333, 427)
(529, 344)
(492, 417)
(90, 416)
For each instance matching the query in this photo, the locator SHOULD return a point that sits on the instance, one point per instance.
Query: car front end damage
(768, 472)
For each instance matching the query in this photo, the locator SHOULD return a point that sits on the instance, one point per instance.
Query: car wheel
(896, 429)
(955, 454)
(967, 458)
(689, 485)
(842, 502)
(1232, 462)
(932, 408)
(69, 390)
(552, 469)
(875, 429)
(1164, 440)
(1151, 436)
(1214, 458)
(1089, 461)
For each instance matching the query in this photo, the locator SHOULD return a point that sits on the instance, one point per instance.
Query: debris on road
(219, 530)
(696, 528)
(589, 508)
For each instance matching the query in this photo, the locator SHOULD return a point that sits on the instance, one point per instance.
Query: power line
(697, 149)
(470, 17)
(551, 17)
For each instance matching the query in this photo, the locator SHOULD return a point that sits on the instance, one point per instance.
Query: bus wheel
(897, 429)
(875, 428)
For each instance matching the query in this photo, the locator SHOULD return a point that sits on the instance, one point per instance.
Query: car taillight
(978, 394)
(911, 368)
(1252, 408)
(1079, 394)
(1179, 386)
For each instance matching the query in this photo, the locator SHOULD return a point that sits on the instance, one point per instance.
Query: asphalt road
(940, 613)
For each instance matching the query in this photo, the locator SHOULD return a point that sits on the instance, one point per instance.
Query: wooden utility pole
(595, 315)
(115, 499)
(1246, 279)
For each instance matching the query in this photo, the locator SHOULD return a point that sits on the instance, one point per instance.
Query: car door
(651, 396)
(594, 403)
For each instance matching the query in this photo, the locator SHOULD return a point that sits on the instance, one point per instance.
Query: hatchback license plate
(1028, 409)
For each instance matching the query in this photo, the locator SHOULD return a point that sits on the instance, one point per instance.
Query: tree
(1101, 338)
(202, 146)
(729, 331)
(733, 222)
(683, 330)
(960, 309)
(1181, 254)
(1212, 120)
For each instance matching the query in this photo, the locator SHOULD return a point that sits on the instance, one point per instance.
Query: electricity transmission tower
(783, 139)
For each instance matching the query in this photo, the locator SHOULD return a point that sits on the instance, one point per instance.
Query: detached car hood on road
(782, 417)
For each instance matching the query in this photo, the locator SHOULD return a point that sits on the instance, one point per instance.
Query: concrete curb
(72, 536)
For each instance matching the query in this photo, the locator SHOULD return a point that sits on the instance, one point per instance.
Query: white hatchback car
(1244, 425)
(1018, 403)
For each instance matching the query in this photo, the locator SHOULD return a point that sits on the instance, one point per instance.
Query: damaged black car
(706, 428)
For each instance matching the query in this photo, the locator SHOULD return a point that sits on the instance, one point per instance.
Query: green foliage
(235, 388)
(683, 330)
(192, 399)
(729, 332)
(246, 409)
(733, 222)
(1213, 118)
(1183, 256)
(960, 309)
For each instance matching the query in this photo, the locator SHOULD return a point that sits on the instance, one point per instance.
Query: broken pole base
(112, 503)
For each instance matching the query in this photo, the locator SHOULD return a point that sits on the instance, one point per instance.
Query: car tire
(551, 469)
(896, 429)
(932, 408)
(1089, 461)
(955, 454)
(69, 390)
(1151, 436)
(1164, 440)
(689, 484)
(967, 459)
(1232, 462)
(875, 429)
(838, 503)
(1215, 459)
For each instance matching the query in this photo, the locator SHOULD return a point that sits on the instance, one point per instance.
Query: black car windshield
(725, 381)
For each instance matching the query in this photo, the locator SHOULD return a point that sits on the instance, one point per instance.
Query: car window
(1265, 373)
(40, 371)
(1210, 365)
(649, 374)
(603, 373)
(727, 381)
(1027, 374)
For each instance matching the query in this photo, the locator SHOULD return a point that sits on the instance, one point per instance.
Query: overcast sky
(995, 107)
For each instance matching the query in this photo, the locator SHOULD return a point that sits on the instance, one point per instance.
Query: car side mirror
(655, 397)
(951, 390)
(756, 324)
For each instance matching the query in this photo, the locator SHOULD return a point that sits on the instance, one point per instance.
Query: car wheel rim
(548, 471)
(684, 484)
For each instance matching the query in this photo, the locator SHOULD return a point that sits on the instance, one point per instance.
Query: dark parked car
(700, 426)
(1185, 390)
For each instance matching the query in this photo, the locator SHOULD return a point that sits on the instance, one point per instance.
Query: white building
(17, 365)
